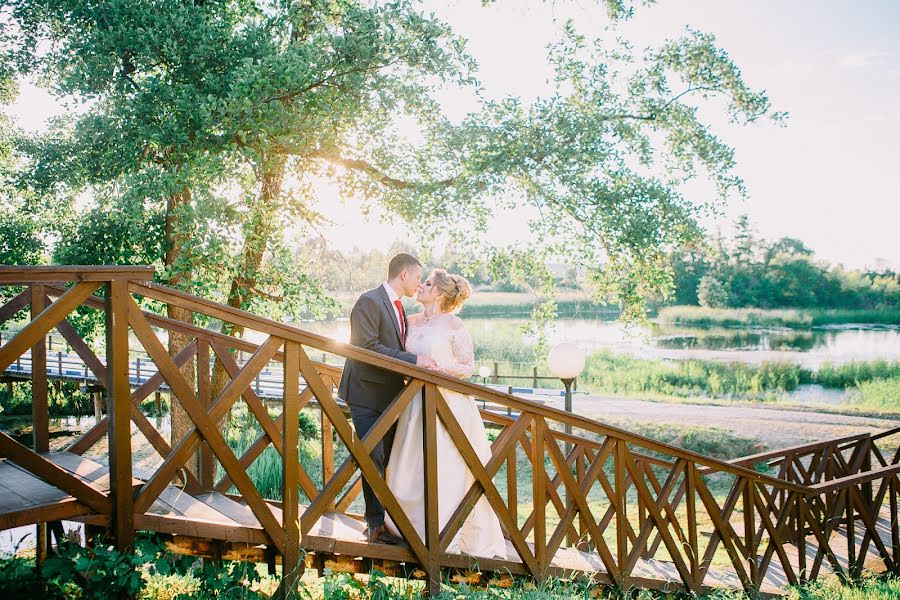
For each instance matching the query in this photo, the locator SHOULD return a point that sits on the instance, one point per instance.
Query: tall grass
(880, 395)
(266, 472)
(854, 373)
(698, 316)
(606, 372)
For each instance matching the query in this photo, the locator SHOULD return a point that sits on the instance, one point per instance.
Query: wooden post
(539, 496)
(621, 516)
(750, 529)
(496, 372)
(39, 409)
(801, 538)
(98, 407)
(118, 398)
(583, 543)
(291, 568)
(207, 460)
(534, 379)
(429, 451)
(157, 400)
(327, 451)
(691, 507)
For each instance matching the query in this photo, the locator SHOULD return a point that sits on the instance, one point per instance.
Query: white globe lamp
(566, 361)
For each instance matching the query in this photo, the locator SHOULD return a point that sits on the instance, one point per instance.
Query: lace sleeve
(463, 354)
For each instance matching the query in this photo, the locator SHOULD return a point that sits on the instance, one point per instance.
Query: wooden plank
(65, 509)
(25, 490)
(40, 414)
(12, 275)
(290, 519)
(327, 450)
(84, 468)
(41, 324)
(236, 511)
(118, 405)
(82, 350)
(349, 496)
(199, 528)
(855, 479)
(539, 496)
(207, 460)
(56, 476)
(690, 489)
(14, 305)
(432, 516)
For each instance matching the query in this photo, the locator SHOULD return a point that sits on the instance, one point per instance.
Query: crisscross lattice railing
(599, 502)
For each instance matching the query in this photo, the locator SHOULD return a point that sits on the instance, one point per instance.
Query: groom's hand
(426, 362)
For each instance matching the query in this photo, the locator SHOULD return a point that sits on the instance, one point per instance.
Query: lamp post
(483, 372)
(566, 361)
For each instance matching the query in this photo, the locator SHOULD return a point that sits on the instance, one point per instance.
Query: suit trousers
(363, 419)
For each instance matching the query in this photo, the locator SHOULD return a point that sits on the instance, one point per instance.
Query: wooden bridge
(599, 503)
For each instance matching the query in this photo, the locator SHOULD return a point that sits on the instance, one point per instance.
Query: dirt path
(777, 427)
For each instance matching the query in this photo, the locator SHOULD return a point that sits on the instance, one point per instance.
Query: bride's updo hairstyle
(455, 289)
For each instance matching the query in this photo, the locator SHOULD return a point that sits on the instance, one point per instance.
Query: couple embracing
(434, 338)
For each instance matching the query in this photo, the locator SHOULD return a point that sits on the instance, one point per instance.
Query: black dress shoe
(380, 535)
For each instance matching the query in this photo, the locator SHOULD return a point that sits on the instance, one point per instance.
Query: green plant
(101, 571)
(18, 577)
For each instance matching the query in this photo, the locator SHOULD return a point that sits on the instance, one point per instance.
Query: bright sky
(828, 178)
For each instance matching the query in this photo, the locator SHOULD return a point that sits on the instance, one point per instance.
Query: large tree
(217, 118)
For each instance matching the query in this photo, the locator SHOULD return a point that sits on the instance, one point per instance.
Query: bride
(440, 334)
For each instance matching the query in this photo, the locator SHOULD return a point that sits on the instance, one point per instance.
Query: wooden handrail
(851, 480)
(15, 275)
(799, 450)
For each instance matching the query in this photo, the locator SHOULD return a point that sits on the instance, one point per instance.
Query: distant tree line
(749, 271)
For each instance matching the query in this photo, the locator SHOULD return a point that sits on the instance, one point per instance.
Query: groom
(378, 323)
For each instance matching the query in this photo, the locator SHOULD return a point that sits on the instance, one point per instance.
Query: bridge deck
(25, 499)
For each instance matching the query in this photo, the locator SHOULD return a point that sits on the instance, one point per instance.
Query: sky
(829, 177)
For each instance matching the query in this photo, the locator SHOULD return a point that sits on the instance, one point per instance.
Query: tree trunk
(257, 233)
(176, 234)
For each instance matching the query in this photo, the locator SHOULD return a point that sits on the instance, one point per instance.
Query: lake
(810, 348)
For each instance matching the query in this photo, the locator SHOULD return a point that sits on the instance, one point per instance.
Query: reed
(698, 316)
(606, 372)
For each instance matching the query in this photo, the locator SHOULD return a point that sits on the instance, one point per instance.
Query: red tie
(399, 306)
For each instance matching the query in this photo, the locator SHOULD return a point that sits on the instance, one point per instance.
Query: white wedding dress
(448, 343)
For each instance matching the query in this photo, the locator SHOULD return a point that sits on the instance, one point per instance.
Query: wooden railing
(601, 502)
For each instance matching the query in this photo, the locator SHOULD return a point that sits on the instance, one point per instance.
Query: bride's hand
(426, 362)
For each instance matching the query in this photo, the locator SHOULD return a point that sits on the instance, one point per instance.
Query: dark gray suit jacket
(373, 326)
